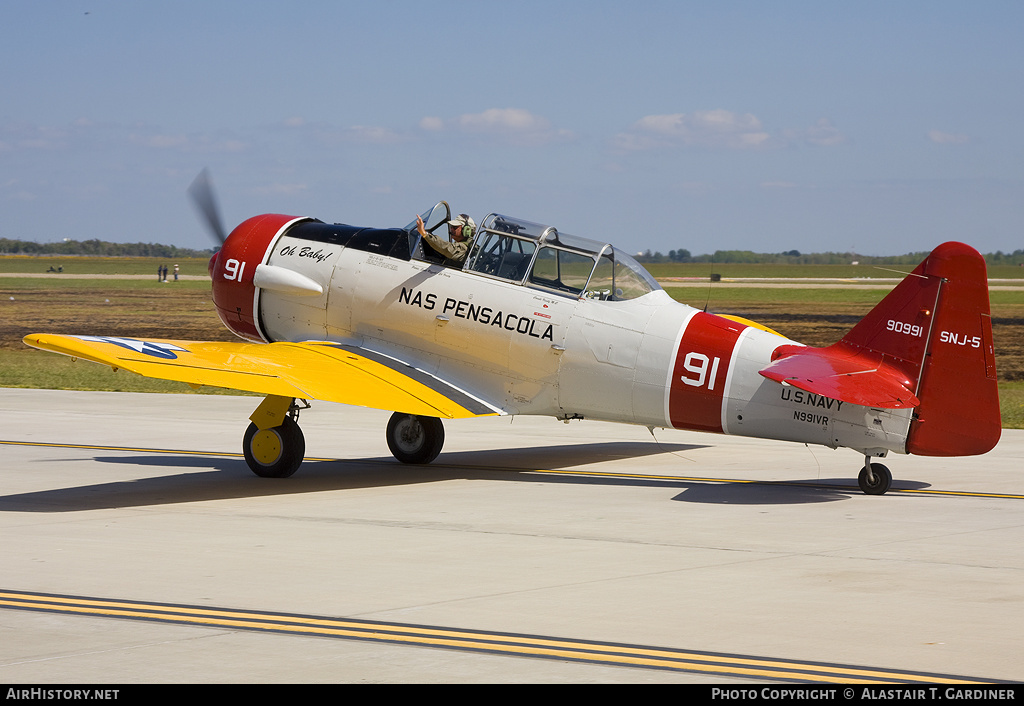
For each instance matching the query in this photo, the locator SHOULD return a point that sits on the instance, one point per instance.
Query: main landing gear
(415, 439)
(274, 447)
(276, 452)
(874, 478)
(273, 444)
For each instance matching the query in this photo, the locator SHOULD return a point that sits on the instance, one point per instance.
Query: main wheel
(275, 452)
(877, 485)
(414, 439)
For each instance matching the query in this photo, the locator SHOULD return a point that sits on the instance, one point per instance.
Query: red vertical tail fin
(936, 328)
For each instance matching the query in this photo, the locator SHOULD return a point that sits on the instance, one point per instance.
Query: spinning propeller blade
(201, 191)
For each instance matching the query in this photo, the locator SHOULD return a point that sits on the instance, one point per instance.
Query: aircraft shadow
(199, 478)
(202, 478)
(796, 492)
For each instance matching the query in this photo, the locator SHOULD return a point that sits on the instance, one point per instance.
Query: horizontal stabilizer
(842, 373)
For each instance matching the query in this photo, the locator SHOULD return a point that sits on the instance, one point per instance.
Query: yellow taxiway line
(508, 644)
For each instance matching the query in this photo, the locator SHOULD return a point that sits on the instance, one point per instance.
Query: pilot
(460, 229)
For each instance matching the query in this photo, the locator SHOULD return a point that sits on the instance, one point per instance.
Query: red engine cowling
(233, 267)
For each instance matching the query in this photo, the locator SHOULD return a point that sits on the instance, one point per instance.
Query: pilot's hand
(419, 225)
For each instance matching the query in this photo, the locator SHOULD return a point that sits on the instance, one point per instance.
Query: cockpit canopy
(540, 257)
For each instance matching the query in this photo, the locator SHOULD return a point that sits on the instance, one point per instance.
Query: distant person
(460, 229)
(175, 273)
(159, 273)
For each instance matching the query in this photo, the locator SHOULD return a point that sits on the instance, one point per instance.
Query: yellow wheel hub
(266, 447)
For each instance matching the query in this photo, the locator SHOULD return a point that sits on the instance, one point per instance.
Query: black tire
(276, 452)
(883, 479)
(414, 439)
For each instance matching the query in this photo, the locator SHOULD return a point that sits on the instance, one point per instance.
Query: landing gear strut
(415, 439)
(273, 444)
(874, 478)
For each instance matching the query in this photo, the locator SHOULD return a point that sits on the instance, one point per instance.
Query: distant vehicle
(540, 322)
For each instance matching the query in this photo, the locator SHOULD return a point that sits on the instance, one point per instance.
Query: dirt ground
(165, 313)
(188, 314)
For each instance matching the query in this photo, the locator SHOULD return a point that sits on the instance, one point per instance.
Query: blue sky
(877, 127)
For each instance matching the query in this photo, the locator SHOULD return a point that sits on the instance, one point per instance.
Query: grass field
(147, 308)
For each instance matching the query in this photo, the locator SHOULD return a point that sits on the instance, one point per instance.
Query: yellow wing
(322, 371)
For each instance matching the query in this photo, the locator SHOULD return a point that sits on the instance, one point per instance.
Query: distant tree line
(101, 248)
(795, 257)
(97, 248)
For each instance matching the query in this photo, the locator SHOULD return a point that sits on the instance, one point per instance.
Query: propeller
(201, 191)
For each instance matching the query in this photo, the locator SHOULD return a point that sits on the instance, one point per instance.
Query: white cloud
(702, 128)
(376, 135)
(280, 189)
(824, 133)
(332, 136)
(514, 125)
(947, 138)
(159, 141)
(201, 143)
(12, 189)
(693, 188)
(89, 135)
(432, 124)
(18, 136)
(502, 120)
(719, 129)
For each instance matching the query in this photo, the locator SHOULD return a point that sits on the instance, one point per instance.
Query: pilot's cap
(463, 220)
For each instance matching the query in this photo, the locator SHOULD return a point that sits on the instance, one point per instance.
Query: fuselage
(531, 348)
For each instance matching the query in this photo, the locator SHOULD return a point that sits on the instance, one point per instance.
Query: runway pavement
(530, 551)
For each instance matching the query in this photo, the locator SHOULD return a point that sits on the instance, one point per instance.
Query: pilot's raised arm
(461, 230)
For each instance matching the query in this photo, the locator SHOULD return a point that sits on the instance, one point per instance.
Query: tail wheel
(275, 452)
(874, 479)
(414, 439)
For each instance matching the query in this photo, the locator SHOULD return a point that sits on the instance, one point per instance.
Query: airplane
(540, 322)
